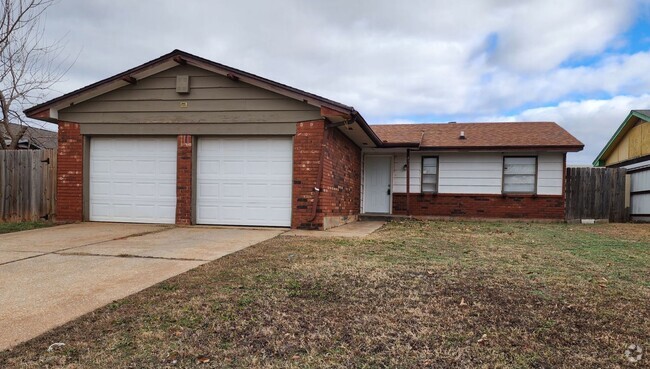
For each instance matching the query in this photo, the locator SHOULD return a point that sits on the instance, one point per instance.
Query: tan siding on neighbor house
(212, 99)
(635, 144)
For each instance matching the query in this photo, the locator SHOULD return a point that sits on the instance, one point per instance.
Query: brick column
(184, 180)
(307, 147)
(69, 189)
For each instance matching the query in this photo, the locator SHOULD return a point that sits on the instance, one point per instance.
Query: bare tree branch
(28, 65)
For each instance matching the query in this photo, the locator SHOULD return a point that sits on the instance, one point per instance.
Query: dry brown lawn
(414, 295)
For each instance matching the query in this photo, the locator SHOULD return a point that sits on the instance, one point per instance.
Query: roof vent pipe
(462, 135)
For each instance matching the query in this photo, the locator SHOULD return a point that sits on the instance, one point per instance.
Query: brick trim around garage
(340, 185)
(307, 147)
(184, 180)
(69, 190)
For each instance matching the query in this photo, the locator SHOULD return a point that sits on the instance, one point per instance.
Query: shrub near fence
(27, 185)
(596, 193)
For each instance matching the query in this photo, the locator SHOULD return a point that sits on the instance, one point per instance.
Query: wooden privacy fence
(596, 193)
(27, 185)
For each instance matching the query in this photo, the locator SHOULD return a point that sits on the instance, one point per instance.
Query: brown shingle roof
(519, 135)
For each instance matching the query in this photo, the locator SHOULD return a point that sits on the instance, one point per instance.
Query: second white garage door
(244, 181)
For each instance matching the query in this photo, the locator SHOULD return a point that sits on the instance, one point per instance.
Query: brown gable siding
(212, 99)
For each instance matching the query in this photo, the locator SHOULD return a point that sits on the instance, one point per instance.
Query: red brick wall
(481, 206)
(307, 147)
(69, 190)
(341, 179)
(340, 184)
(184, 180)
(342, 176)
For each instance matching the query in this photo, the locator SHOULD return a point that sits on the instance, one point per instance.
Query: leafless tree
(28, 65)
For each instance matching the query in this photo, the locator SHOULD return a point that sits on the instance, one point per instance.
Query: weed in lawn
(169, 287)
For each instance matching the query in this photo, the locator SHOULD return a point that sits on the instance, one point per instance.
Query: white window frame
(503, 176)
(435, 190)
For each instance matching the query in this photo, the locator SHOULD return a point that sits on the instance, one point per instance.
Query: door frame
(390, 171)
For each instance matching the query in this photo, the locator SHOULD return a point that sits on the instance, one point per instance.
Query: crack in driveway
(126, 256)
(59, 251)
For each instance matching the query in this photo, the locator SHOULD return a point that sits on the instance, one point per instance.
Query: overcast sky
(582, 63)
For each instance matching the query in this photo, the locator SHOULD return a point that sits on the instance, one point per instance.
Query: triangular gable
(630, 121)
(333, 111)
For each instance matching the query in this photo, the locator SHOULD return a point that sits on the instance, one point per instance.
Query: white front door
(376, 184)
(133, 179)
(244, 181)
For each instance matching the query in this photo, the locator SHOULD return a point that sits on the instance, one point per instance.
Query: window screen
(430, 174)
(519, 174)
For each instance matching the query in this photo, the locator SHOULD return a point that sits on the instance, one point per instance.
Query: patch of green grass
(169, 287)
(23, 226)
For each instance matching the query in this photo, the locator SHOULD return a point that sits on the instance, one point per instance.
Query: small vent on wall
(183, 84)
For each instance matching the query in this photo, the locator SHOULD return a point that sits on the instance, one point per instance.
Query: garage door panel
(146, 190)
(145, 167)
(244, 181)
(133, 179)
(209, 168)
(234, 168)
(233, 191)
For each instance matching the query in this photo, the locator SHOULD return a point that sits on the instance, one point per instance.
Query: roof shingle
(479, 135)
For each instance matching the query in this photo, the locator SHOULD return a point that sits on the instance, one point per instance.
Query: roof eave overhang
(366, 128)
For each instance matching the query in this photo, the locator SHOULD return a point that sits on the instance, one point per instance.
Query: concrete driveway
(53, 275)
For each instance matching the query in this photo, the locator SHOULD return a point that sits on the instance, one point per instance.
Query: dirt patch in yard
(415, 295)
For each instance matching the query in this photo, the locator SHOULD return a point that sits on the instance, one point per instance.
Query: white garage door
(133, 179)
(244, 181)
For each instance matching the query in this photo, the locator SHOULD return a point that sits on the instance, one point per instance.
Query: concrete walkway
(53, 275)
(358, 229)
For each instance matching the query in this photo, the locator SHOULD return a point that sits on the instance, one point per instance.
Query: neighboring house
(184, 140)
(629, 148)
(34, 138)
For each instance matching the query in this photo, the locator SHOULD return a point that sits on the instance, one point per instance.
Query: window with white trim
(430, 174)
(519, 174)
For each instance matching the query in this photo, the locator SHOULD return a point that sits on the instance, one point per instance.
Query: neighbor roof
(480, 136)
(38, 137)
(627, 124)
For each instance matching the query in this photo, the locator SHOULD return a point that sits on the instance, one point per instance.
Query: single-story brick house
(185, 140)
